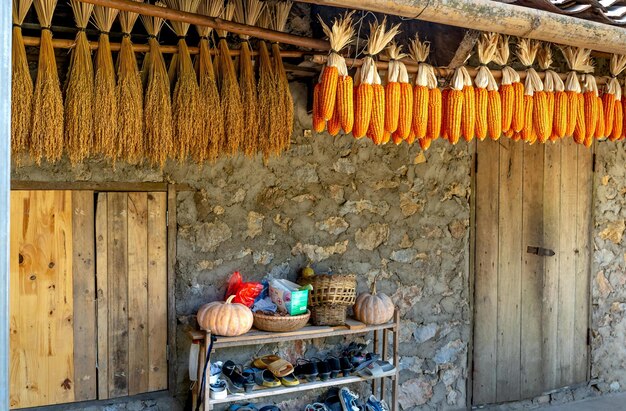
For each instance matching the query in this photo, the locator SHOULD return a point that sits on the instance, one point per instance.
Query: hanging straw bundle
(212, 136)
(285, 100)
(612, 99)
(47, 110)
(130, 142)
(488, 103)
(229, 92)
(550, 84)
(79, 93)
(535, 102)
(21, 83)
(396, 75)
(369, 103)
(157, 105)
(105, 116)
(509, 85)
(454, 101)
(267, 105)
(186, 98)
(248, 12)
(576, 59)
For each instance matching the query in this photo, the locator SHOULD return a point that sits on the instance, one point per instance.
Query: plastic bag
(245, 292)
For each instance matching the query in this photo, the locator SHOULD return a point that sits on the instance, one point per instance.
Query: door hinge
(544, 252)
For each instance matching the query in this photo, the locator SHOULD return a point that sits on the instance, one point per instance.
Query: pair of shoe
(331, 367)
(350, 402)
(271, 369)
(236, 379)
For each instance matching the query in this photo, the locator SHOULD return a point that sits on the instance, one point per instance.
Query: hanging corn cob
(212, 136)
(248, 12)
(617, 65)
(269, 139)
(21, 83)
(186, 137)
(157, 105)
(335, 90)
(487, 48)
(229, 91)
(618, 117)
(576, 59)
(444, 113)
(318, 121)
(369, 88)
(425, 84)
(510, 85)
(591, 108)
(47, 110)
(130, 141)
(454, 107)
(105, 116)
(396, 74)
(79, 92)
(552, 84)
(285, 100)
(535, 102)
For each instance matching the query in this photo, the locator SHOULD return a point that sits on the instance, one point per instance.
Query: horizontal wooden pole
(489, 15)
(143, 48)
(213, 22)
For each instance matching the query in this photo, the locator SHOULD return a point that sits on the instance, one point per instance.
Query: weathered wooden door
(532, 263)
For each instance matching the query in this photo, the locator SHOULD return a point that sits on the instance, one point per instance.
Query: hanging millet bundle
(267, 105)
(576, 59)
(335, 86)
(396, 76)
(544, 57)
(105, 116)
(425, 81)
(510, 84)
(157, 104)
(285, 100)
(79, 92)
(47, 109)
(533, 92)
(21, 83)
(230, 94)
(211, 138)
(130, 144)
(611, 99)
(488, 103)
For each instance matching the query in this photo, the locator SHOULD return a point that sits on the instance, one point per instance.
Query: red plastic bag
(245, 293)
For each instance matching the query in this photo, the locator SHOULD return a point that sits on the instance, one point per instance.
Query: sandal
(289, 380)
(305, 369)
(280, 368)
(265, 378)
(234, 379)
(264, 361)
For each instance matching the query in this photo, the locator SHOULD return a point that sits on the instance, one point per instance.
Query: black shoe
(248, 375)
(306, 369)
(234, 379)
(334, 366)
(322, 369)
(345, 365)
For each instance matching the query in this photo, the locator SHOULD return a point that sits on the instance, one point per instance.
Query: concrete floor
(614, 402)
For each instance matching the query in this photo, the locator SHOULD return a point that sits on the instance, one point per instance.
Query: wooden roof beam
(488, 15)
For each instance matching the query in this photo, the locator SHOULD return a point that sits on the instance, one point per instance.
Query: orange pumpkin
(373, 308)
(225, 318)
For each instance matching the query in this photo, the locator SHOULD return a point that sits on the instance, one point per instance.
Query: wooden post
(500, 17)
(5, 188)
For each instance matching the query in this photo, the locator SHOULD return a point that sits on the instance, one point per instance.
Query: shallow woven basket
(336, 289)
(277, 323)
(329, 314)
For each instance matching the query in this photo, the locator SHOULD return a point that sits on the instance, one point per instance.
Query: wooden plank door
(132, 293)
(52, 302)
(531, 309)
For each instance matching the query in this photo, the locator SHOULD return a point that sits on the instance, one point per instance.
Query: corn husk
(527, 53)
(268, 92)
(21, 84)
(157, 104)
(248, 12)
(230, 94)
(511, 78)
(105, 117)
(130, 144)
(578, 61)
(211, 108)
(487, 48)
(47, 126)
(186, 98)
(284, 126)
(79, 92)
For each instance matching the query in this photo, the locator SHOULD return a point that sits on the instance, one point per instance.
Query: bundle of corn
(79, 92)
(335, 87)
(47, 109)
(535, 100)
(610, 101)
(454, 101)
(576, 59)
(130, 142)
(212, 135)
(369, 105)
(230, 94)
(248, 12)
(157, 103)
(105, 117)
(21, 83)
(396, 74)
(284, 127)
(550, 84)
(267, 104)
(426, 122)
(511, 91)
(592, 109)
(488, 103)
(186, 98)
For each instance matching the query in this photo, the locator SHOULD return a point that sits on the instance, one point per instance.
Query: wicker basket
(336, 289)
(328, 314)
(278, 323)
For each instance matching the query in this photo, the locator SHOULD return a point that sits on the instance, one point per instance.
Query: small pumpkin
(373, 308)
(225, 318)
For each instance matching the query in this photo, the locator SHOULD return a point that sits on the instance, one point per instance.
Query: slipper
(264, 361)
(369, 358)
(280, 367)
(376, 369)
(265, 378)
(289, 380)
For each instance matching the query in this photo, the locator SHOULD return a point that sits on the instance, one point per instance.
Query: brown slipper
(263, 362)
(280, 368)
